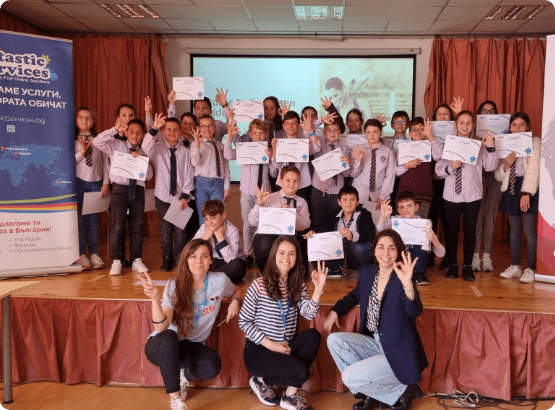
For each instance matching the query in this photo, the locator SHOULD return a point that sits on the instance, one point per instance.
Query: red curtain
(509, 72)
(9, 22)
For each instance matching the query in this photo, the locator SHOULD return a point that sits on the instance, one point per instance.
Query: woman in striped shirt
(273, 354)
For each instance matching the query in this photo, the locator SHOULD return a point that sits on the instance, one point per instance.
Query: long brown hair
(397, 240)
(183, 314)
(295, 277)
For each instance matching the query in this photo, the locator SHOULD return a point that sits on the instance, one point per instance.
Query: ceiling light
(494, 12)
(514, 12)
(149, 11)
(338, 12)
(318, 12)
(300, 13)
(127, 9)
(534, 11)
(111, 10)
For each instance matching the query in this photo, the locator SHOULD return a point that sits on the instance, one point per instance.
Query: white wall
(179, 49)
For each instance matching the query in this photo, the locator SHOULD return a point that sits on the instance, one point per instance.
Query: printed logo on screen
(26, 66)
(11, 128)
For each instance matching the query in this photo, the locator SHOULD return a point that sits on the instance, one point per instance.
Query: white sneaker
(115, 270)
(96, 262)
(487, 266)
(476, 265)
(512, 271)
(84, 262)
(176, 403)
(528, 276)
(183, 383)
(138, 265)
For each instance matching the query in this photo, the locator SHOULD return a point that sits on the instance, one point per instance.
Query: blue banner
(38, 217)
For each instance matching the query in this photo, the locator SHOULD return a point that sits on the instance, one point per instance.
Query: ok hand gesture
(261, 195)
(284, 107)
(404, 269)
(197, 136)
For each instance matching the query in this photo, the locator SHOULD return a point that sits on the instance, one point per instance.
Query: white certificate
(412, 231)
(325, 246)
(188, 88)
(177, 216)
(150, 203)
(461, 149)
(440, 129)
(330, 164)
(409, 150)
(248, 153)
(127, 166)
(246, 111)
(393, 143)
(350, 141)
(277, 221)
(292, 150)
(520, 143)
(496, 124)
(94, 204)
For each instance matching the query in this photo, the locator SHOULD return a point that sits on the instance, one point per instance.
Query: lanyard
(283, 317)
(203, 305)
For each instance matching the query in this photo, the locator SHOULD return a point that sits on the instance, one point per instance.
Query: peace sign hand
(319, 276)
(148, 286)
(405, 269)
(171, 97)
(261, 195)
(284, 107)
(148, 106)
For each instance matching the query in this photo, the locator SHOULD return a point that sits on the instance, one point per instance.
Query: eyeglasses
(204, 127)
(399, 122)
(486, 112)
(84, 118)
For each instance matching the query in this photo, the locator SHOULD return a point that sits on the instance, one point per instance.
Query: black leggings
(453, 211)
(235, 270)
(282, 369)
(170, 355)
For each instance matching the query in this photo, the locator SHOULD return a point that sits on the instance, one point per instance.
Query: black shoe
(167, 265)
(453, 272)
(250, 262)
(444, 265)
(367, 403)
(422, 279)
(467, 273)
(431, 262)
(405, 400)
(125, 263)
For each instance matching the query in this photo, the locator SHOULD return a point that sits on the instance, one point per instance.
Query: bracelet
(154, 129)
(311, 134)
(408, 290)
(162, 321)
(225, 105)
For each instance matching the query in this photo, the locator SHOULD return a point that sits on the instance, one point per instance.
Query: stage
(494, 336)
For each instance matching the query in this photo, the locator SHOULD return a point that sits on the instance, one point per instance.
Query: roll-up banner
(38, 208)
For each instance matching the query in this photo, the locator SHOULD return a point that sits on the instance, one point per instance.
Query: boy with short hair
(204, 107)
(253, 176)
(355, 224)
(212, 179)
(400, 123)
(287, 197)
(127, 194)
(407, 208)
(174, 179)
(228, 255)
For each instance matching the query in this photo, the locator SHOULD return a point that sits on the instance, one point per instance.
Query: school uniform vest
(419, 181)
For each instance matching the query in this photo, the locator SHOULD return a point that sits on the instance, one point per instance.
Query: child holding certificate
(519, 179)
(204, 107)
(407, 208)
(462, 195)
(128, 194)
(275, 353)
(286, 198)
(253, 176)
(373, 168)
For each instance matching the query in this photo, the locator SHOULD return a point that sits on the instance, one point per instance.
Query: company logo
(290, 229)
(26, 66)
(473, 159)
(338, 252)
(528, 150)
(395, 224)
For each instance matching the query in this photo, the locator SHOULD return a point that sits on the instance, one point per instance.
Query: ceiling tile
(175, 11)
(319, 2)
(218, 2)
(320, 26)
(224, 12)
(365, 27)
(165, 2)
(271, 13)
(538, 26)
(83, 10)
(498, 26)
(415, 13)
(359, 13)
(63, 24)
(43, 10)
(190, 25)
(276, 25)
(148, 25)
(373, 3)
(547, 13)
(453, 26)
(525, 2)
(477, 3)
(408, 26)
(265, 2)
(23, 1)
(233, 25)
(109, 24)
(118, 2)
(422, 2)
(460, 13)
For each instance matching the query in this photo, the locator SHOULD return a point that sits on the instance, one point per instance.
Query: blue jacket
(397, 324)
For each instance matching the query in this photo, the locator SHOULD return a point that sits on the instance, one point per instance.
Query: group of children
(191, 160)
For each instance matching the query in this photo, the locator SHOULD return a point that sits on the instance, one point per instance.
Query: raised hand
(197, 135)
(148, 286)
(456, 165)
(159, 121)
(261, 195)
(85, 144)
(121, 125)
(381, 118)
(427, 131)
(148, 106)
(284, 108)
(230, 114)
(221, 96)
(456, 105)
(319, 276)
(326, 102)
(386, 208)
(328, 118)
(358, 153)
(489, 140)
(232, 129)
(171, 97)
(405, 269)
(306, 124)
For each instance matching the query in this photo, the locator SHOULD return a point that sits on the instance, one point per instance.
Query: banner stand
(34, 272)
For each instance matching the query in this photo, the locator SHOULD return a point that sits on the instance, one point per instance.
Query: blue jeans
(89, 221)
(364, 367)
(206, 189)
(423, 257)
(358, 255)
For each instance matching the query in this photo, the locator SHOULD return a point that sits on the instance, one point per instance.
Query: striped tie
(373, 171)
(345, 243)
(218, 164)
(458, 181)
(512, 178)
(88, 154)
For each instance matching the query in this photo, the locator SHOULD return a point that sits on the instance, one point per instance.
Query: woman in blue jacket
(383, 362)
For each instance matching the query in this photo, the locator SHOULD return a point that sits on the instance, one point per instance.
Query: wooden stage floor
(488, 293)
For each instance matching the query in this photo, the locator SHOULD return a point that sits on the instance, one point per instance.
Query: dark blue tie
(132, 183)
(173, 172)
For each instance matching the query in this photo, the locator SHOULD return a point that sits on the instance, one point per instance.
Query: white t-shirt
(219, 286)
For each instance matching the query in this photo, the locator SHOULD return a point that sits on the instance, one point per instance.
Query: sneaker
(422, 279)
(176, 403)
(487, 266)
(294, 402)
(115, 270)
(96, 262)
(183, 383)
(84, 262)
(265, 393)
(476, 264)
(139, 266)
(513, 271)
(528, 276)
